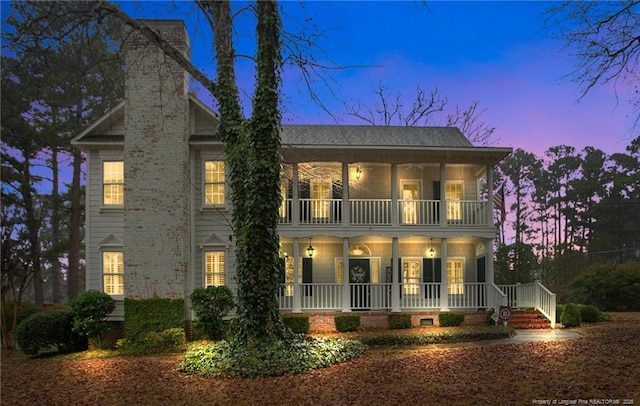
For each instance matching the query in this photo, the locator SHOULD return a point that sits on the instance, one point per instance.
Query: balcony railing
(378, 212)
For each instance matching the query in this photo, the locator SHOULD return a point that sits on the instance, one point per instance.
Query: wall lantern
(310, 249)
(432, 252)
(358, 173)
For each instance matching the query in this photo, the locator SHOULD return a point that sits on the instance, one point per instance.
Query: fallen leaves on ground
(604, 364)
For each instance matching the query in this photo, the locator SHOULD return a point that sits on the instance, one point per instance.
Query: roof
(343, 143)
(379, 136)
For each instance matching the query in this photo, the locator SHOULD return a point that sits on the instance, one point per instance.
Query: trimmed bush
(49, 329)
(268, 357)
(90, 311)
(589, 314)
(399, 321)
(438, 336)
(211, 305)
(166, 341)
(571, 316)
(297, 324)
(144, 316)
(450, 319)
(347, 322)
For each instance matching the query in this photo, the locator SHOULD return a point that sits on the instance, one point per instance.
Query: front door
(359, 279)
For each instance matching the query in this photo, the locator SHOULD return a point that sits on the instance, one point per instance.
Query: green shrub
(346, 322)
(268, 357)
(211, 305)
(559, 310)
(604, 316)
(90, 311)
(297, 324)
(399, 321)
(450, 319)
(589, 314)
(438, 336)
(144, 316)
(166, 341)
(489, 321)
(48, 329)
(609, 286)
(24, 310)
(571, 316)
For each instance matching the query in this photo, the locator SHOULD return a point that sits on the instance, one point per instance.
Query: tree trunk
(74, 226)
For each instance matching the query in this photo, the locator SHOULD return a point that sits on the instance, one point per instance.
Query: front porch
(429, 297)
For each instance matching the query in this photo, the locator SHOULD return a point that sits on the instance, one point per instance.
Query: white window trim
(464, 267)
(110, 207)
(203, 170)
(214, 250)
(419, 260)
(448, 202)
(114, 249)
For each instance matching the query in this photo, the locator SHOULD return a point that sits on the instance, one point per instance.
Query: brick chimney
(156, 166)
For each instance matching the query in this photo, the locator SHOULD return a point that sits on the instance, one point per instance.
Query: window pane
(113, 270)
(214, 188)
(411, 276)
(113, 183)
(455, 277)
(214, 268)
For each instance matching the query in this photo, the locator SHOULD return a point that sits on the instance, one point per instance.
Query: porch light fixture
(358, 173)
(310, 249)
(432, 252)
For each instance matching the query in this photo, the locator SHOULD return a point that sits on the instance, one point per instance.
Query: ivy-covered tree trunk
(259, 282)
(253, 167)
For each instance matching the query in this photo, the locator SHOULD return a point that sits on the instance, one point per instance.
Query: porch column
(444, 286)
(346, 291)
(346, 207)
(489, 260)
(395, 276)
(489, 196)
(443, 200)
(295, 198)
(297, 292)
(395, 220)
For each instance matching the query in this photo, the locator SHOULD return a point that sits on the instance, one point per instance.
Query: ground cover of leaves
(602, 366)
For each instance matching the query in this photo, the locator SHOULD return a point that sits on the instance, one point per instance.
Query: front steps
(528, 320)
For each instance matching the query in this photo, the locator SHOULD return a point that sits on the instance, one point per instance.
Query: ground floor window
(214, 268)
(113, 273)
(455, 276)
(288, 276)
(411, 275)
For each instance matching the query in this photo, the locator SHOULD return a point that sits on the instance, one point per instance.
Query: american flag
(498, 203)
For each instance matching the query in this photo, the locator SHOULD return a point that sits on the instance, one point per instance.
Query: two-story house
(373, 219)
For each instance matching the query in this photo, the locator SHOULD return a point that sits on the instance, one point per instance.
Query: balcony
(385, 212)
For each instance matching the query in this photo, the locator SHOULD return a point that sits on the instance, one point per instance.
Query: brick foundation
(322, 322)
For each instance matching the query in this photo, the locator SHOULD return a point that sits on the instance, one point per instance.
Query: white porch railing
(473, 296)
(419, 212)
(420, 296)
(375, 212)
(467, 212)
(533, 295)
(377, 296)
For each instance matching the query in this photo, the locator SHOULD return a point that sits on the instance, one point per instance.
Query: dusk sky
(498, 53)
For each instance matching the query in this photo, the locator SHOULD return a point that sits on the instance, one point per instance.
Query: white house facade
(373, 219)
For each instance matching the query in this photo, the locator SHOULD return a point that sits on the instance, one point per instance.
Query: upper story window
(113, 183)
(214, 187)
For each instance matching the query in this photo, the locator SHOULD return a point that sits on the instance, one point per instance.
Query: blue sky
(497, 53)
